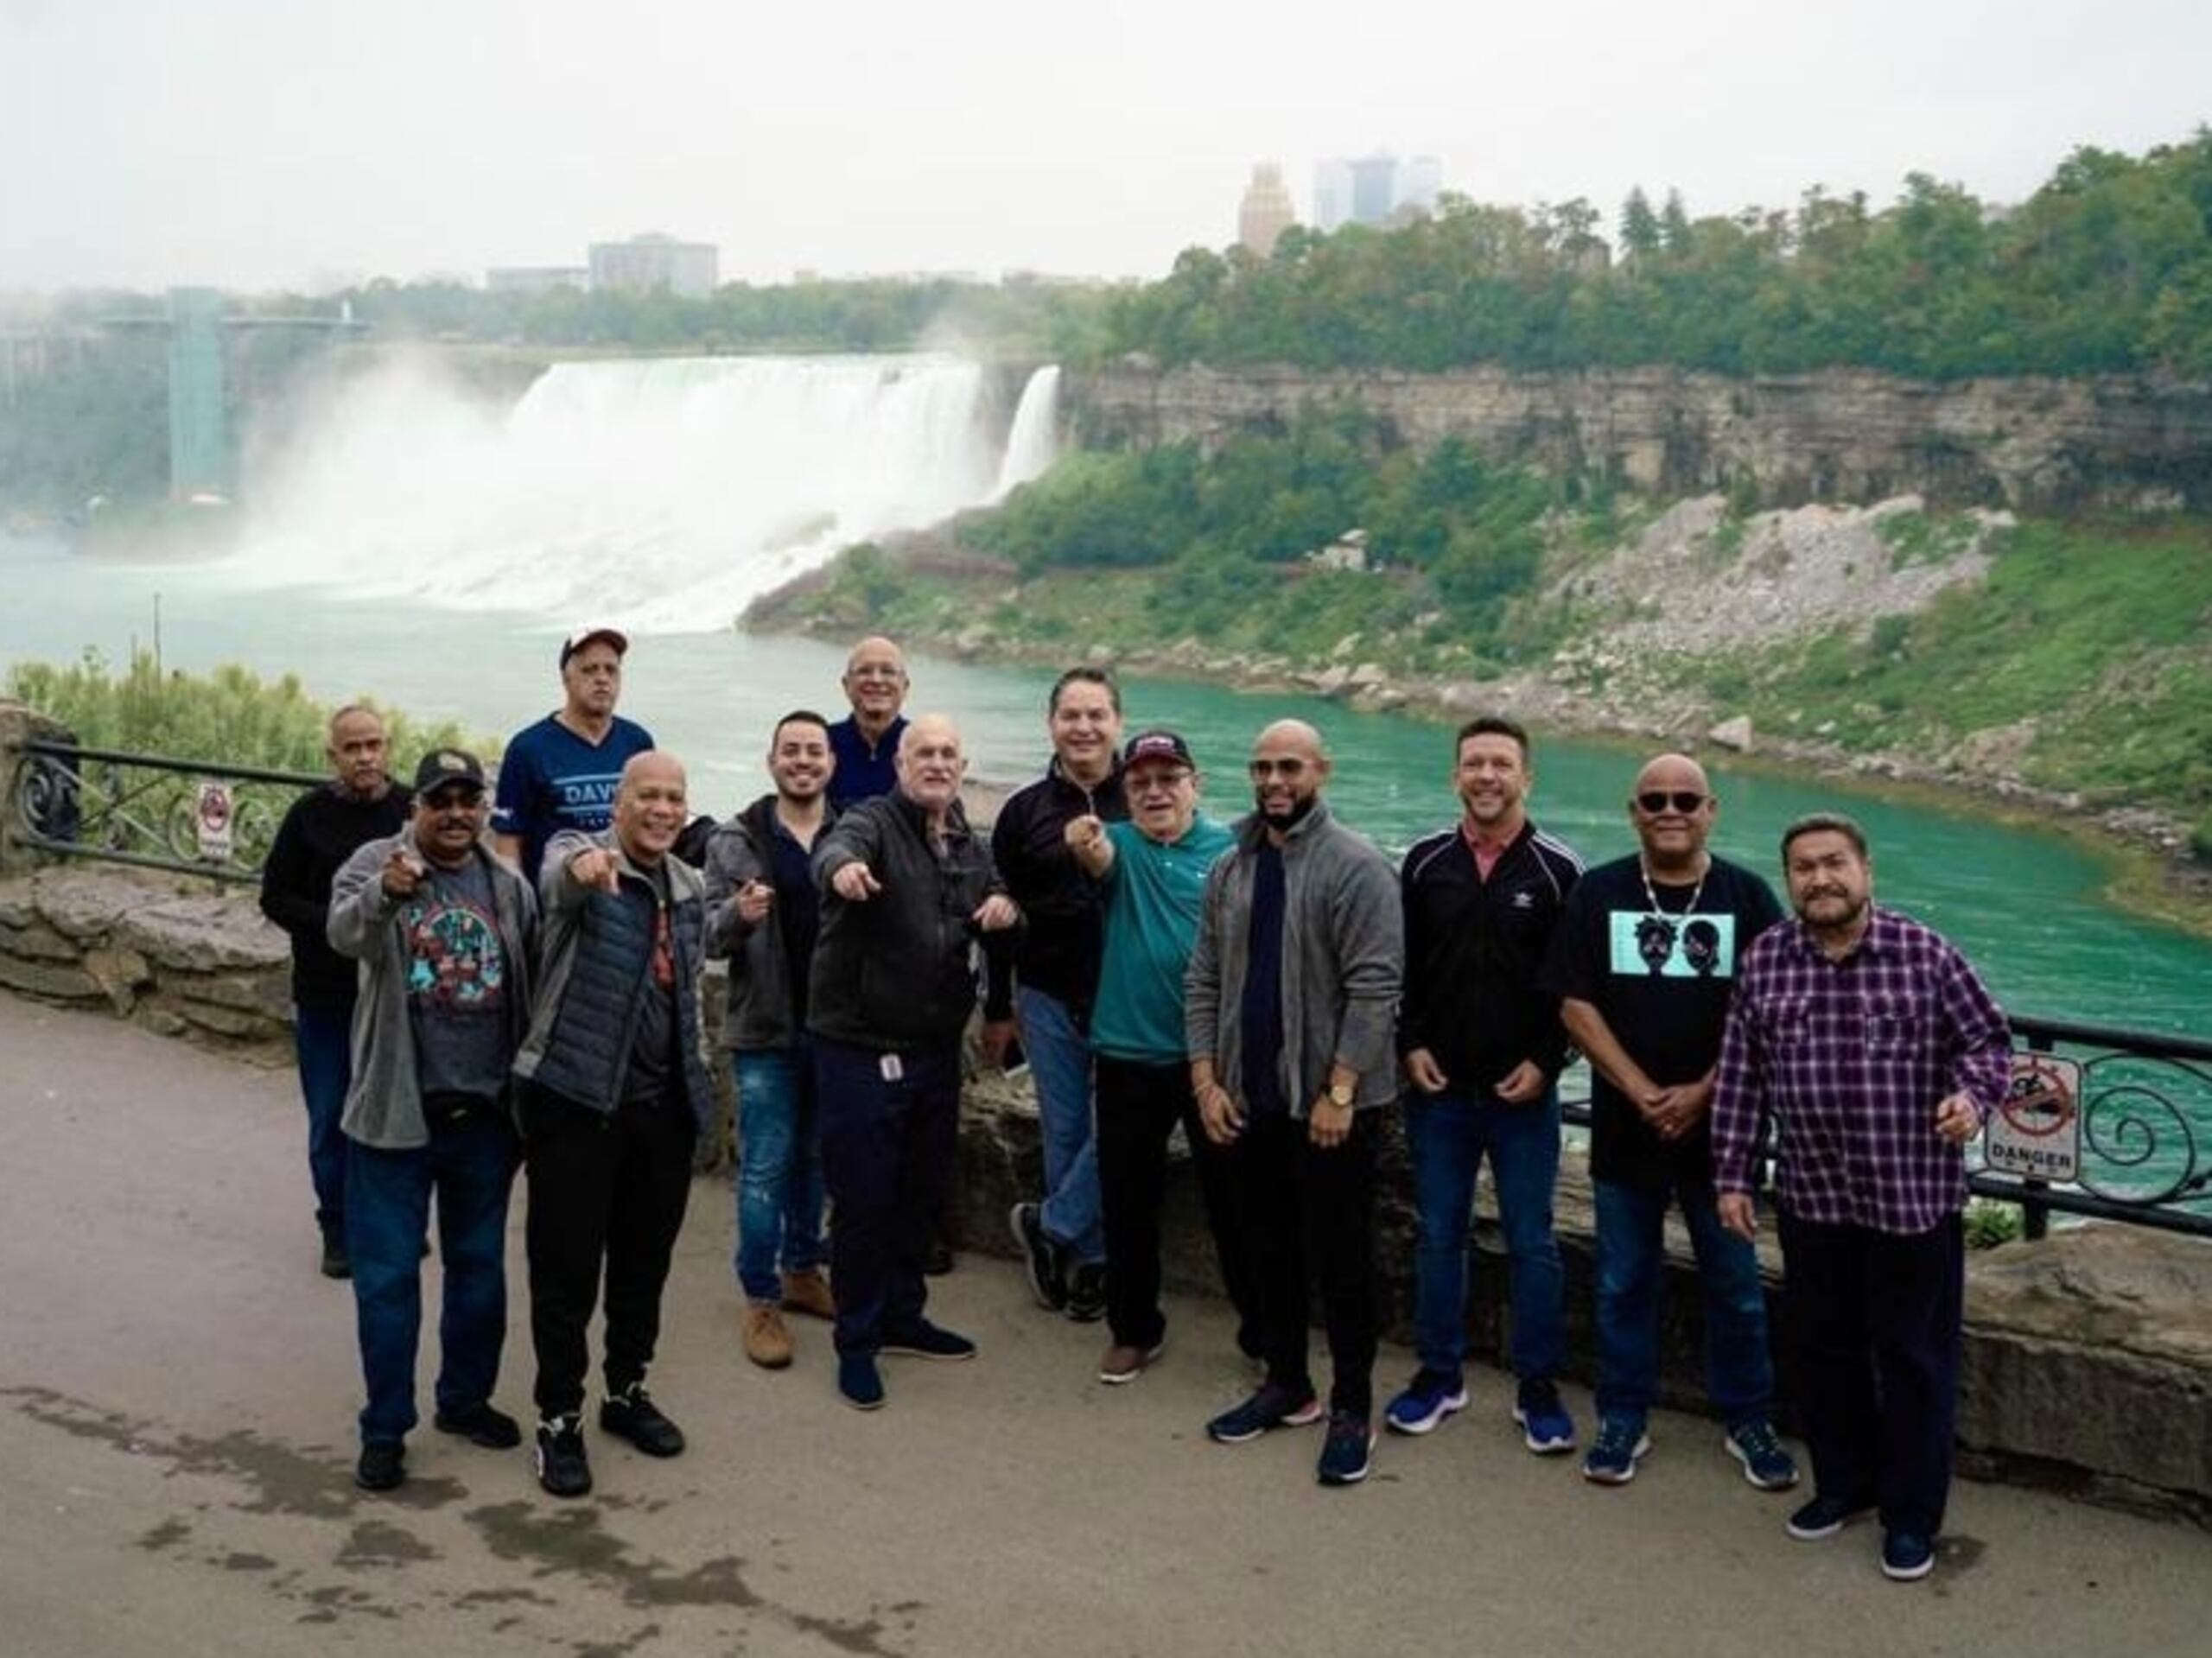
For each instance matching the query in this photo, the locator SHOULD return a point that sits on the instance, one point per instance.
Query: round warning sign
(2037, 1128)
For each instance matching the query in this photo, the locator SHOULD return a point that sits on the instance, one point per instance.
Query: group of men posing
(1270, 985)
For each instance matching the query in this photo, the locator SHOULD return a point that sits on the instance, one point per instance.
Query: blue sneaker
(1430, 1397)
(1766, 1464)
(924, 1340)
(1271, 1408)
(1620, 1445)
(1907, 1556)
(859, 1381)
(1348, 1452)
(1545, 1425)
(1822, 1518)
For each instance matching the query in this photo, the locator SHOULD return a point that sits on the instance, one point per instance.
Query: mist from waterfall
(660, 495)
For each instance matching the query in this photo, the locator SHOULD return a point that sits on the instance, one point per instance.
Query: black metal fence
(149, 810)
(2140, 1103)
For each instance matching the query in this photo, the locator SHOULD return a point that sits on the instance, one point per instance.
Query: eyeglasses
(1145, 782)
(1262, 770)
(1652, 802)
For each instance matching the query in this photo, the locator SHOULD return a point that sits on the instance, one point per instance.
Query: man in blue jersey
(561, 772)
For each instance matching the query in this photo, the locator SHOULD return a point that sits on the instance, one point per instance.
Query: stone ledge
(2087, 1361)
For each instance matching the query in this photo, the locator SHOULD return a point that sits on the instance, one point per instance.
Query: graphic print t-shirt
(1662, 978)
(456, 983)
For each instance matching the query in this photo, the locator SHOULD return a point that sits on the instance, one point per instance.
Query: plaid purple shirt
(1851, 1058)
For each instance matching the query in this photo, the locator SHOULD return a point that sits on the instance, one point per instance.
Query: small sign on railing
(2036, 1129)
(214, 822)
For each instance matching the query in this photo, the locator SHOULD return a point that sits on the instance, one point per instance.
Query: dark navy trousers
(1874, 1323)
(890, 1125)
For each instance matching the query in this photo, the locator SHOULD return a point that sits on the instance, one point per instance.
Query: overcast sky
(262, 144)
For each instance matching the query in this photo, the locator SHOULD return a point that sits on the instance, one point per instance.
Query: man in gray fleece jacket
(444, 933)
(1290, 1005)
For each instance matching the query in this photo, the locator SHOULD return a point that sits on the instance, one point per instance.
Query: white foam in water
(660, 493)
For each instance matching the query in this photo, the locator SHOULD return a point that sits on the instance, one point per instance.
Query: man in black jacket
(1062, 1237)
(1482, 1047)
(907, 888)
(324, 829)
(763, 915)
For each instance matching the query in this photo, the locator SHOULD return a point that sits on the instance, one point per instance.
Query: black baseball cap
(584, 636)
(1158, 745)
(441, 768)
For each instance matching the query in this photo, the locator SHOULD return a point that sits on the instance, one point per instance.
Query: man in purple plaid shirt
(1871, 1043)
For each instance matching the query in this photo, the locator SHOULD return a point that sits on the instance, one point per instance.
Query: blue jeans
(1060, 1065)
(1447, 1135)
(323, 1038)
(1631, 1253)
(471, 1167)
(779, 1176)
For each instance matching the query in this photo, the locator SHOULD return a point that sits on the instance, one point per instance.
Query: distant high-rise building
(1332, 194)
(1265, 212)
(1378, 189)
(656, 264)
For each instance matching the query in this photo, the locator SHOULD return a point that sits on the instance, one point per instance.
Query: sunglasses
(454, 800)
(1262, 770)
(1652, 802)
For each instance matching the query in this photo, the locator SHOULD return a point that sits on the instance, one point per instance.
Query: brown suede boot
(809, 1293)
(768, 1343)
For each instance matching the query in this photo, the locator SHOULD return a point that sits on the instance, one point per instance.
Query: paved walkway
(177, 1387)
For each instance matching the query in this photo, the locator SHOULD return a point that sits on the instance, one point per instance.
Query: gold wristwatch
(1340, 1094)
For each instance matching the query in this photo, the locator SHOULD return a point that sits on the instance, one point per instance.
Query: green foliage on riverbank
(1451, 543)
(229, 717)
(2107, 267)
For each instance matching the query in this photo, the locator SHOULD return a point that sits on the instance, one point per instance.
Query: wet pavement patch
(574, 1541)
(167, 1534)
(379, 1543)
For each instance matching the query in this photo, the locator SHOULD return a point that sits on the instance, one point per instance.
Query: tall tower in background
(1378, 189)
(1265, 212)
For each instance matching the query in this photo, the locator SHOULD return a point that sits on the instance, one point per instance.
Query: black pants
(888, 1147)
(1138, 1106)
(601, 1186)
(1304, 1212)
(1874, 1321)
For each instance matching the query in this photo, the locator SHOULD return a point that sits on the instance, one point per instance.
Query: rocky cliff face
(1836, 435)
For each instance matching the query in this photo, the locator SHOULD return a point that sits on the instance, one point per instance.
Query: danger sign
(2036, 1129)
(213, 820)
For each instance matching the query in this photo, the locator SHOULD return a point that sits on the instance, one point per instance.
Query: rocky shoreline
(2141, 835)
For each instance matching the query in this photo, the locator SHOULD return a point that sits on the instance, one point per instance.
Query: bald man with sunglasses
(1643, 961)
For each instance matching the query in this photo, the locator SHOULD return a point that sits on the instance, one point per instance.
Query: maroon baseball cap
(1157, 745)
(584, 636)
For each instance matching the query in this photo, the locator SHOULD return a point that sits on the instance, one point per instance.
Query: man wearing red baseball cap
(560, 774)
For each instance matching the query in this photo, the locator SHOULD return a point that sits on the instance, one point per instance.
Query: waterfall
(1033, 443)
(659, 494)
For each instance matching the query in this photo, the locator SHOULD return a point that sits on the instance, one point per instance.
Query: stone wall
(2088, 1357)
(1838, 435)
(159, 949)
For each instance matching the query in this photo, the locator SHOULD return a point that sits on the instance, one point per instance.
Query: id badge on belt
(892, 1070)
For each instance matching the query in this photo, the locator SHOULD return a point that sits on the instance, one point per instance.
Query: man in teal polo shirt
(1153, 871)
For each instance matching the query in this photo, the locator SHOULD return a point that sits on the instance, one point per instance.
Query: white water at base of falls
(658, 494)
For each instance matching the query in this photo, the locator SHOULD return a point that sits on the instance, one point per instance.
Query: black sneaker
(383, 1466)
(631, 1415)
(1087, 1294)
(1822, 1518)
(938, 1261)
(481, 1424)
(562, 1468)
(1042, 1254)
(1347, 1452)
(335, 1261)
(924, 1340)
